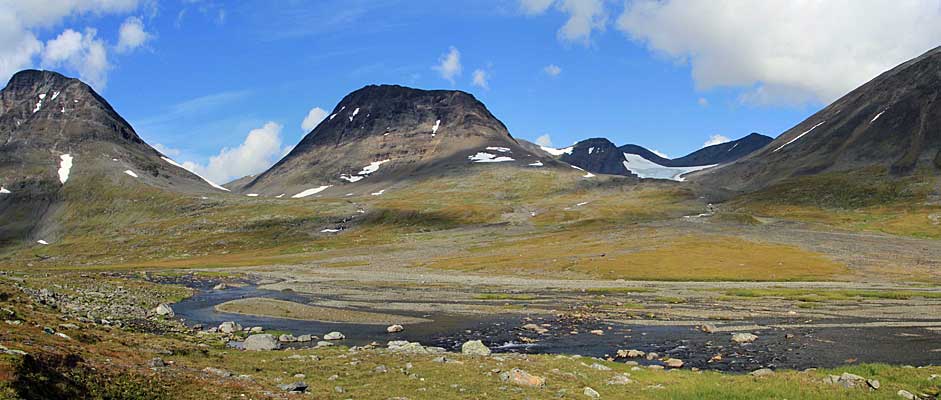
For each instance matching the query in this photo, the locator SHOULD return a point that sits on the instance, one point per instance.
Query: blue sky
(198, 76)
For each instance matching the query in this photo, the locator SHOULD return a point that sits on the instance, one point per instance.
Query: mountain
(57, 132)
(723, 152)
(599, 155)
(385, 133)
(892, 122)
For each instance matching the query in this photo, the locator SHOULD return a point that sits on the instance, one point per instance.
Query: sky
(227, 87)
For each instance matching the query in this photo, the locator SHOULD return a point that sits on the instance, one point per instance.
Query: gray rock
(296, 387)
(256, 329)
(395, 329)
(708, 328)
(743, 337)
(402, 346)
(652, 356)
(761, 372)
(261, 342)
(164, 310)
(630, 353)
(475, 348)
(305, 338)
(600, 367)
(324, 343)
(287, 339)
(591, 393)
(218, 372)
(157, 363)
(334, 336)
(674, 362)
(230, 327)
(620, 379)
(907, 395)
(519, 377)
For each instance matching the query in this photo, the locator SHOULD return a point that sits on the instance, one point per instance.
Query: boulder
(305, 338)
(743, 338)
(591, 393)
(475, 348)
(674, 362)
(708, 328)
(221, 286)
(256, 329)
(630, 353)
(287, 339)
(402, 346)
(761, 372)
(164, 310)
(620, 379)
(230, 327)
(535, 328)
(296, 387)
(519, 377)
(334, 336)
(395, 329)
(261, 342)
(906, 395)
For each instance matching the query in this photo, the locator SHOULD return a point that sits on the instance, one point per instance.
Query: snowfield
(131, 173)
(536, 164)
(65, 166)
(310, 192)
(647, 169)
(482, 157)
(557, 152)
(4, 190)
(372, 167)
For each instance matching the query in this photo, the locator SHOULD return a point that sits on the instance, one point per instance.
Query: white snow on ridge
(356, 111)
(798, 137)
(330, 231)
(372, 167)
(482, 157)
(252, 195)
(379, 193)
(557, 152)
(591, 150)
(175, 164)
(310, 192)
(645, 168)
(55, 94)
(131, 173)
(351, 178)
(877, 116)
(42, 242)
(733, 146)
(500, 149)
(536, 164)
(434, 129)
(4, 190)
(65, 166)
(39, 103)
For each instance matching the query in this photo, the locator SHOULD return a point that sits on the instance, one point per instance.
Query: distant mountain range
(600, 155)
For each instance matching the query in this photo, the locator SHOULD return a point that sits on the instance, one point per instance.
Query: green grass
(670, 299)
(816, 295)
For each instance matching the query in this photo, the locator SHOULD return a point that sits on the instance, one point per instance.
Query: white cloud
(82, 52)
(702, 101)
(261, 149)
(480, 79)
(449, 65)
(584, 17)
(313, 118)
(552, 70)
(716, 139)
(132, 35)
(21, 19)
(793, 51)
(659, 153)
(167, 151)
(544, 140)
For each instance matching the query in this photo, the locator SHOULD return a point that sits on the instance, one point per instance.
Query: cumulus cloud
(20, 46)
(80, 51)
(584, 17)
(132, 35)
(261, 149)
(704, 102)
(791, 52)
(480, 79)
(716, 139)
(449, 65)
(544, 140)
(314, 116)
(552, 70)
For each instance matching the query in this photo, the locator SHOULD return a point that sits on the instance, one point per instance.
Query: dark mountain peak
(598, 155)
(405, 129)
(33, 78)
(723, 152)
(756, 135)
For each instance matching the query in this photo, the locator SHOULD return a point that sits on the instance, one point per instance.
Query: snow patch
(174, 163)
(733, 146)
(351, 178)
(356, 111)
(581, 204)
(482, 157)
(55, 94)
(4, 190)
(39, 103)
(536, 164)
(310, 192)
(42, 242)
(252, 195)
(131, 173)
(330, 231)
(798, 137)
(588, 175)
(372, 167)
(591, 150)
(877, 116)
(279, 196)
(65, 166)
(500, 149)
(379, 193)
(557, 152)
(434, 129)
(645, 168)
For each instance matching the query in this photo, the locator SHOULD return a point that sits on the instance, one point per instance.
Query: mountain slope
(893, 122)
(386, 133)
(56, 132)
(723, 152)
